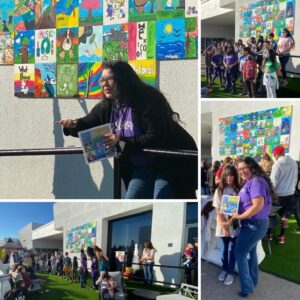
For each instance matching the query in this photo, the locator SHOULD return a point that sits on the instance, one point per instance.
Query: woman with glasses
(141, 117)
(254, 208)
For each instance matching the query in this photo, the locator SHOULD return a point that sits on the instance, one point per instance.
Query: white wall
(29, 123)
(225, 32)
(168, 227)
(227, 109)
(25, 235)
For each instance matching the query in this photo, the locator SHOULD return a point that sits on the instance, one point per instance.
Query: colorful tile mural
(61, 36)
(265, 16)
(256, 133)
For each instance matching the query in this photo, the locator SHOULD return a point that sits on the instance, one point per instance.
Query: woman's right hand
(67, 123)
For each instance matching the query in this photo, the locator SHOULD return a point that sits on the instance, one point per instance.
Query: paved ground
(269, 287)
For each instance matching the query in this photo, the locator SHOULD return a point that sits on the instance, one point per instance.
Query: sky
(15, 215)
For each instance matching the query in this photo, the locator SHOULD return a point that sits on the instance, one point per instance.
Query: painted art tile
(24, 82)
(67, 45)
(45, 14)
(24, 15)
(170, 39)
(169, 9)
(142, 10)
(45, 46)
(91, 43)
(115, 42)
(191, 8)
(45, 80)
(67, 80)
(24, 47)
(141, 44)
(146, 69)
(67, 13)
(115, 12)
(90, 12)
(7, 10)
(191, 38)
(6, 48)
(89, 75)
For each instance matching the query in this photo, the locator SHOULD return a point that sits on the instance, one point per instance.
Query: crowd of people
(254, 63)
(259, 186)
(77, 269)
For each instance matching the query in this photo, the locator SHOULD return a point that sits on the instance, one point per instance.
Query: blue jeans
(283, 62)
(82, 278)
(146, 183)
(205, 190)
(148, 272)
(252, 231)
(228, 257)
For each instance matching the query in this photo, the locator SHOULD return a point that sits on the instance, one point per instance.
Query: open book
(229, 205)
(92, 141)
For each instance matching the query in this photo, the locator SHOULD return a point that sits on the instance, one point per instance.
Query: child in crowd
(228, 185)
(94, 271)
(243, 58)
(249, 75)
(231, 67)
(218, 67)
(271, 71)
(273, 44)
(188, 255)
(75, 269)
(108, 286)
(208, 53)
(67, 266)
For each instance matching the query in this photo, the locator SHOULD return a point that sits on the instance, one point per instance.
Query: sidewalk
(269, 287)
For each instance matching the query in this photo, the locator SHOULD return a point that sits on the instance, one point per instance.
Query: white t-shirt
(283, 45)
(217, 204)
(149, 253)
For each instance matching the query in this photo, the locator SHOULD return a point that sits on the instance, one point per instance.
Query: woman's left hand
(235, 216)
(110, 140)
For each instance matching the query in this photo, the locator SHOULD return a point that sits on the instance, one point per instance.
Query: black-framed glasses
(109, 80)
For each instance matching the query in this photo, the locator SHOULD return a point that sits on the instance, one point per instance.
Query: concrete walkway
(269, 287)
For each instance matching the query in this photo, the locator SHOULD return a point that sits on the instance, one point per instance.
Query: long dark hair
(288, 34)
(257, 171)
(272, 56)
(148, 245)
(131, 91)
(229, 170)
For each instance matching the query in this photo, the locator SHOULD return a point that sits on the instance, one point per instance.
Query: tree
(24, 50)
(90, 5)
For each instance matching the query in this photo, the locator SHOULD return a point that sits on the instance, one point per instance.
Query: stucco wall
(168, 227)
(29, 123)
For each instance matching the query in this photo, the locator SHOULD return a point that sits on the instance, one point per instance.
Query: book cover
(229, 205)
(92, 141)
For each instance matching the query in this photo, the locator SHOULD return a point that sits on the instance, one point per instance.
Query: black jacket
(159, 133)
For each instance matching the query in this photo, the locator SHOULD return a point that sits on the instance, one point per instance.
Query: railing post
(117, 178)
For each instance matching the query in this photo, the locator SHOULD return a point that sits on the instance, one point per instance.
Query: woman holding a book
(254, 208)
(141, 117)
(229, 185)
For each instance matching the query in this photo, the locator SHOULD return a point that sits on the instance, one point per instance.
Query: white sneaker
(229, 279)
(285, 82)
(222, 275)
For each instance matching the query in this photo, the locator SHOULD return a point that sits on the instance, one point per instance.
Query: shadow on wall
(72, 178)
(169, 274)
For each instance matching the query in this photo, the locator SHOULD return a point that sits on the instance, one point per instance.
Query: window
(124, 233)
(192, 213)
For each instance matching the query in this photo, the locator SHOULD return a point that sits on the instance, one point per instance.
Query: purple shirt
(253, 188)
(123, 125)
(230, 59)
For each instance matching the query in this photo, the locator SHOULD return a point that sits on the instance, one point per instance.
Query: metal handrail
(78, 150)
